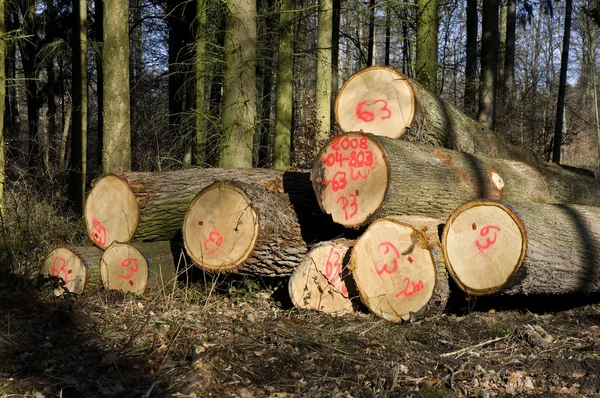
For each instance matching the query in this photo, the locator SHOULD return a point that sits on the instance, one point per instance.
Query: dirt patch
(196, 342)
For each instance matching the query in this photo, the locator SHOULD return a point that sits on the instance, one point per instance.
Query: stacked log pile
(389, 199)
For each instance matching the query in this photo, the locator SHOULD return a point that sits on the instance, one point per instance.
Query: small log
(233, 226)
(558, 254)
(319, 282)
(162, 198)
(382, 101)
(360, 177)
(394, 269)
(124, 268)
(69, 267)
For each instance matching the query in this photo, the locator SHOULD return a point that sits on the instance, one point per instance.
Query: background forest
(106, 86)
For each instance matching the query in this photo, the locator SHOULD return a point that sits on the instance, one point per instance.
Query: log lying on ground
(124, 268)
(394, 269)
(69, 267)
(358, 177)
(320, 281)
(162, 199)
(382, 101)
(234, 226)
(487, 249)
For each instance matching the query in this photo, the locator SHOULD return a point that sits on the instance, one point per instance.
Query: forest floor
(201, 342)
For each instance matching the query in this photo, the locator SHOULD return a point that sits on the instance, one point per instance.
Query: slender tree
(562, 85)
(239, 84)
(428, 26)
(471, 58)
(371, 37)
(508, 85)
(2, 102)
(502, 25)
(99, 37)
(200, 81)
(78, 159)
(282, 158)
(489, 64)
(324, 72)
(116, 155)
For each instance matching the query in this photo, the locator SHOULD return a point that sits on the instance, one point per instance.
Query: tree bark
(386, 177)
(436, 122)
(78, 158)
(199, 156)
(371, 37)
(116, 106)
(562, 85)
(489, 64)
(559, 254)
(509, 53)
(282, 152)
(324, 76)
(99, 36)
(2, 103)
(428, 25)
(156, 202)
(320, 281)
(239, 85)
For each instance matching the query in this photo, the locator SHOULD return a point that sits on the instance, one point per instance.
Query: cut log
(358, 177)
(394, 269)
(69, 267)
(488, 251)
(382, 101)
(319, 282)
(124, 268)
(230, 225)
(162, 199)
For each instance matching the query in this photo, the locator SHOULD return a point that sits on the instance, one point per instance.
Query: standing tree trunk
(562, 85)
(98, 16)
(489, 64)
(2, 102)
(508, 85)
(28, 57)
(78, 159)
(502, 43)
(115, 60)
(282, 157)
(428, 26)
(335, 55)
(51, 115)
(11, 115)
(388, 33)
(371, 37)
(199, 155)
(239, 84)
(324, 75)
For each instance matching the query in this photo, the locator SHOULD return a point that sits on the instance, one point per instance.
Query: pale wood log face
(65, 264)
(351, 178)
(483, 246)
(124, 268)
(394, 270)
(111, 212)
(318, 283)
(376, 100)
(220, 228)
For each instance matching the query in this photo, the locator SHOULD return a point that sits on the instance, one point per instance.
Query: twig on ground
(465, 350)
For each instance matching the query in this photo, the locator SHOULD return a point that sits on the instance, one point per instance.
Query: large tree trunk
(382, 101)
(115, 60)
(489, 64)
(359, 177)
(471, 59)
(239, 85)
(151, 206)
(428, 26)
(508, 84)
(524, 248)
(99, 36)
(324, 75)
(78, 158)
(562, 85)
(282, 151)
(233, 226)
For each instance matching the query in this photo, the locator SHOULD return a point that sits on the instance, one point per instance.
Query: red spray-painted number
(384, 249)
(489, 241)
(346, 204)
(410, 288)
(132, 263)
(98, 232)
(333, 268)
(56, 271)
(337, 182)
(213, 242)
(367, 116)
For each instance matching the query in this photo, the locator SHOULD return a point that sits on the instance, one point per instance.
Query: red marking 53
(367, 116)
(133, 265)
(213, 242)
(489, 241)
(386, 248)
(98, 232)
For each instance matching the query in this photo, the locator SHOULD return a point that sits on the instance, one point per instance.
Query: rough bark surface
(563, 251)
(433, 182)
(269, 233)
